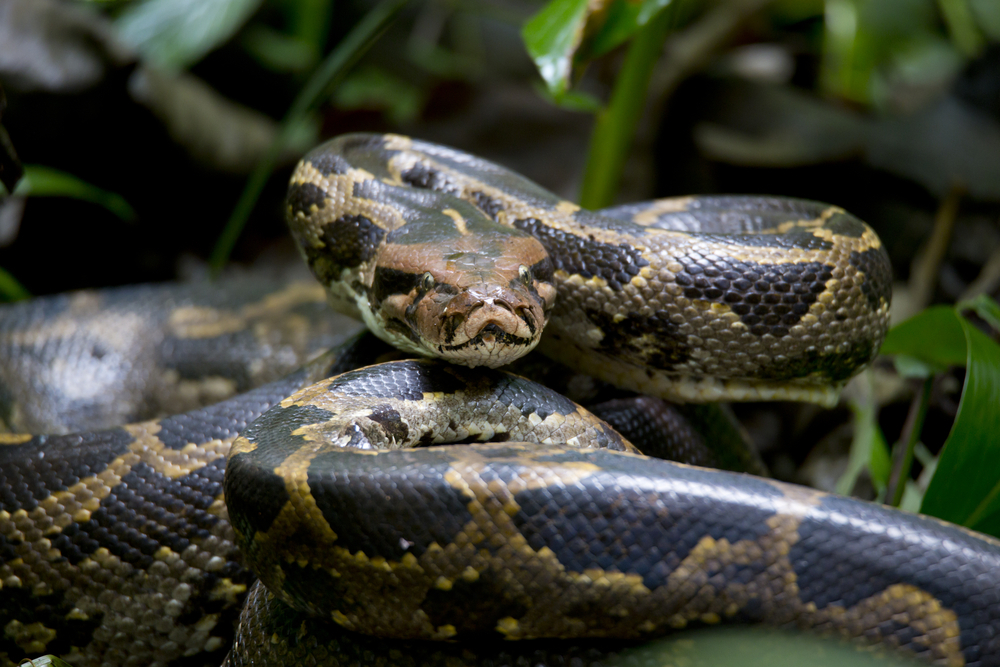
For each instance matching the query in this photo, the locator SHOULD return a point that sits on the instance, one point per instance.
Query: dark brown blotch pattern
(769, 298)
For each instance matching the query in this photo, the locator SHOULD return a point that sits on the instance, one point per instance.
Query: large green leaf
(933, 336)
(965, 488)
(177, 33)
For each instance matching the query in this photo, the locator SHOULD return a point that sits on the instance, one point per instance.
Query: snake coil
(352, 503)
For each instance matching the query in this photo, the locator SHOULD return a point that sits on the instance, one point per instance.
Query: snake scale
(346, 498)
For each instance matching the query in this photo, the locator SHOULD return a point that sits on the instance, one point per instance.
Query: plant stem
(615, 126)
(902, 454)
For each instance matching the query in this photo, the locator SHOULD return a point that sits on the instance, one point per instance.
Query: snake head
(477, 299)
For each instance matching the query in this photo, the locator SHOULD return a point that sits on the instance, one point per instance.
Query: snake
(455, 507)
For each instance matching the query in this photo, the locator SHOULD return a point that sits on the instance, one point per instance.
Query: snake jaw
(484, 325)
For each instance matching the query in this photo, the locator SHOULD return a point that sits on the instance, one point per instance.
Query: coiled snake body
(117, 548)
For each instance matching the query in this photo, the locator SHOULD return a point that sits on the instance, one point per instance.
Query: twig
(926, 265)
(902, 453)
(691, 50)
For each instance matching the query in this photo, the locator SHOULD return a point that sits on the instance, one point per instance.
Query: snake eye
(427, 282)
(524, 274)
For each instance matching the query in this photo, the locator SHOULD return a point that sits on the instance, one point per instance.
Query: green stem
(615, 127)
(317, 88)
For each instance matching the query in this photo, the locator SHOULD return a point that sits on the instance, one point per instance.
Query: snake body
(117, 547)
(768, 299)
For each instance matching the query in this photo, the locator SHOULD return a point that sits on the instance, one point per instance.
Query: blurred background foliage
(143, 138)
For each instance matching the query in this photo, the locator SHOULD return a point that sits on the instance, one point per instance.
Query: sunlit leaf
(177, 33)
(552, 37)
(966, 487)
(45, 182)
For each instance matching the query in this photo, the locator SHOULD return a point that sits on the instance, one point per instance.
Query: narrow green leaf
(276, 50)
(868, 448)
(961, 25)
(376, 88)
(966, 486)
(177, 33)
(933, 336)
(41, 181)
(552, 37)
(879, 461)
(319, 86)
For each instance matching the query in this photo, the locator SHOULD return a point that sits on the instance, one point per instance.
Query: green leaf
(276, 50)
(376, 88)
(909, 367)
(174, 34)
(933, 336)
(961, 26)
(966, 486)
(11, 289)
(987, 14)
(752, 647)
(41, 181)
(552, 37)
(868, 448)
(985, 307)
(622, 20)
(571, 100)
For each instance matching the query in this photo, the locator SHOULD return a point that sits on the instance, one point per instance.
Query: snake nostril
(499, 303)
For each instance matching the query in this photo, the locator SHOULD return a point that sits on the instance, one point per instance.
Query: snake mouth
(487, 331)
(492, 347)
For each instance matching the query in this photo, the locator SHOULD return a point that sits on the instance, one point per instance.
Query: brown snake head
(480, 298)
(428, 272)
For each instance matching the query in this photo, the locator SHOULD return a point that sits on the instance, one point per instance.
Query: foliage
(965, 488)
(177, 33)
